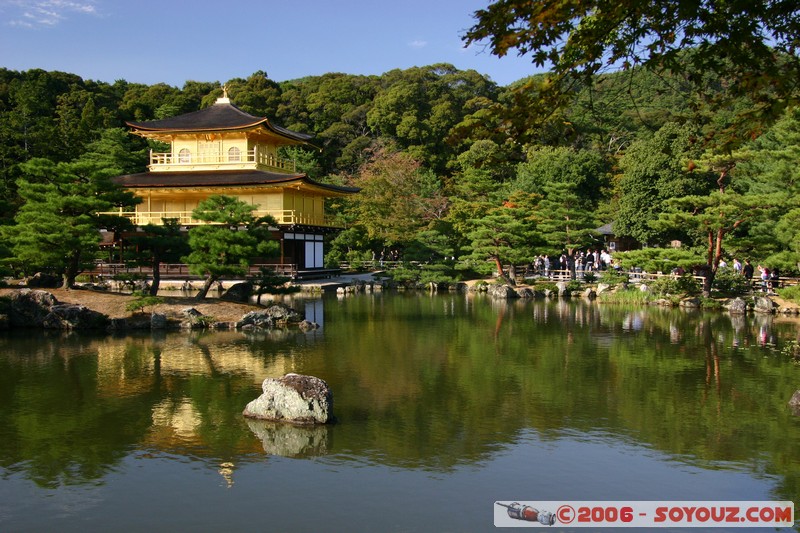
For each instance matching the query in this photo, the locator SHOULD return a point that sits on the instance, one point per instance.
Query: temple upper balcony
(234, 158)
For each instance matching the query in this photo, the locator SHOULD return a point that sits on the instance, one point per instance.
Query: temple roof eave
(228, 179)
(220, 117)
(259, 129)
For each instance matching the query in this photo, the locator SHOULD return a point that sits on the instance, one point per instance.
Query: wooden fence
(181, 272)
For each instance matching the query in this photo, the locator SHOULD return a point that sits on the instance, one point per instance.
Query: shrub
(205, 320)
(574, 286)
(142, 300)
(613, 277)
(546, 286)
(790, 293)
(666, 286)
(730, 283)
(441, 272)
(404, 274)
(710, 304)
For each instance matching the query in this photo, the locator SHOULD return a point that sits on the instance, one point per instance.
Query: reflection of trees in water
(71, 406)
(418, 381)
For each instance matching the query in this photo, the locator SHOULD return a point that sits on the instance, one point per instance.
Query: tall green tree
(713, 217)
(257, 95)
(655, 170)
(771, 168)
(507, 234)
(563, 219)
(479, 184)
(230, 238)
(724, 50)
(587, 171)
(398, 198)
(143, 102)
(58, 225)
(117, 151)
(420, 106)
(338, 110)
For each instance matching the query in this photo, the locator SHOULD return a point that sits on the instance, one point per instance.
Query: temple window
(184, 156)
(234, 154)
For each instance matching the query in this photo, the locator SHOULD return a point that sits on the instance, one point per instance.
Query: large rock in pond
(275, 315)
(294, 398)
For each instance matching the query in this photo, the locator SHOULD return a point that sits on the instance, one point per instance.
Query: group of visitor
(595, 260)
(580, 263)
(769, 277)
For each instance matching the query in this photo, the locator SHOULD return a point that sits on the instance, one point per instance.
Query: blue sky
(171, 41)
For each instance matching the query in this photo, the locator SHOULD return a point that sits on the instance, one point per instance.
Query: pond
(446, 404)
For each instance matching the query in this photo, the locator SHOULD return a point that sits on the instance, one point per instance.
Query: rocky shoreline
(36, 308)
(86, 309)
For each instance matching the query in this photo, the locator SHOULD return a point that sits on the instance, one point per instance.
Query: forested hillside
(453, 168)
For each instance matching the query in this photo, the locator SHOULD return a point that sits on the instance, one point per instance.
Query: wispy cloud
(418, 43)
(42, 13)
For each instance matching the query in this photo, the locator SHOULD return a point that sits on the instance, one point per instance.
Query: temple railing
(255, 158)
(284, 217)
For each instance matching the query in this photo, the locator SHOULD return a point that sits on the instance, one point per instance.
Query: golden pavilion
(224, 150)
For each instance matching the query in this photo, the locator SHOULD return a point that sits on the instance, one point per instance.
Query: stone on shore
(240, 292)
(40, 309)
(29, 307)
(794, 402)
(73, 316)
(763, 304)
(158, 321)
(737, 306)
(525, 292)
(690, 303)
(604, 287)
(504, 292)
(294, 398)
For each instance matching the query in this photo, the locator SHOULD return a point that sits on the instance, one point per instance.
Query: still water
(446, 404)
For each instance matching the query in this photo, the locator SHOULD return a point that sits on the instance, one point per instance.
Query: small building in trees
(614, 242)
(224, 150)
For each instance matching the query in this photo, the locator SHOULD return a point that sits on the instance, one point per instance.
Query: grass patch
(791, 294)
(630, 295)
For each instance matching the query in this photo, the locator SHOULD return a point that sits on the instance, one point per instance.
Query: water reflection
(291, 441)
(428, 382)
